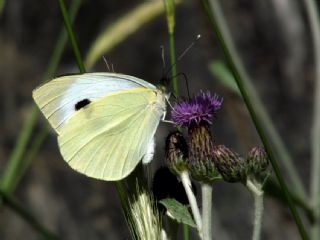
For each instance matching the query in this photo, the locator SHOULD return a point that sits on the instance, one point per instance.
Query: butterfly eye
(81, 104)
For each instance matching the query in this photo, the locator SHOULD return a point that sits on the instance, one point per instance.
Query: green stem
(170, 12)
(172, 229)
(186, 235)
(173, 64)
(258, 208)
(16, 158)
(206, 190)
(72, 38)
(185, 179)
(121, 190)
(217, 21)
(314, 19)
(258, 205)
(2, 3)
(37, 226)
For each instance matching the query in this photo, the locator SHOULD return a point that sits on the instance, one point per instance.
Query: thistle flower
(230, 165)
(200, 109)
(176, 153)
(197, 115)
(257, 161)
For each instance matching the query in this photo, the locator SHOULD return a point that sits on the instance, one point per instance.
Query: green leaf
(178, 211)
(218, 69)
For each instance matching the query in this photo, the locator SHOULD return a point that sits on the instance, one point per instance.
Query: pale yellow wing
(57, 99)
(107, 138)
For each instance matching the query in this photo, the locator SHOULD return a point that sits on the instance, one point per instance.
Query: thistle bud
(176, 153)
(229, 164)
(200, 162)
(257, 160)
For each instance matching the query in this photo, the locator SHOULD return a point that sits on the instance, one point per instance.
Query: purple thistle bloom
(199, 109)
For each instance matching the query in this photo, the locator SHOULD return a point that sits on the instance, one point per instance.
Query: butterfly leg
(167, 121)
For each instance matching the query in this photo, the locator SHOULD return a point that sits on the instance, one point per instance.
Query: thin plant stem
(72, 38)
(170, 12)
(16, 157)
(314, 21)
(185, 179)
(122, 193)
(25, 215)
(258, 208)
(173, 64)
(2, 3)
(217, 21)
(172, 228)
(206, 190)
(124, 201)
(186, 234)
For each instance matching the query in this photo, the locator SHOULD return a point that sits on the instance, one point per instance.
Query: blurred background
(273, 40)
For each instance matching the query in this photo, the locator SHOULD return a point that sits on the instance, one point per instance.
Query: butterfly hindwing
(107, 138)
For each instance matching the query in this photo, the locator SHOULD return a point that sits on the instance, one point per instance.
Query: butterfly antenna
(186, 81)
(112, 69)
(183, 53)
(106, 62)
(189, 47)
(174, 96)
(164, 79)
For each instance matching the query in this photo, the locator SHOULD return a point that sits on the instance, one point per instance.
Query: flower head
(199, 109)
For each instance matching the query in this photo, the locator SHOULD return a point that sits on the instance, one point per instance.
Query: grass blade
(72, 38)
(2, 3)
(313, 17)
(170, 13)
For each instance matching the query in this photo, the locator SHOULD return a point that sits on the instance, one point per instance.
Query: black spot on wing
(81, 104)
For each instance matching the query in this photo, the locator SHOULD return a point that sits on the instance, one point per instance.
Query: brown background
(274, 42)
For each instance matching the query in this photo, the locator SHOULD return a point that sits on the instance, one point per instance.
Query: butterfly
(105, 122)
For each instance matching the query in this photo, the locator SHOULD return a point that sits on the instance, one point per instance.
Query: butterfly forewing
(59, 98)
(107, 138)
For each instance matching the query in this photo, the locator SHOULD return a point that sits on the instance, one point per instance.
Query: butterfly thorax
(160, 102)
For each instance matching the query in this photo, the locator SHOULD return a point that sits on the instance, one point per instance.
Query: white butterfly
(105, 122)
